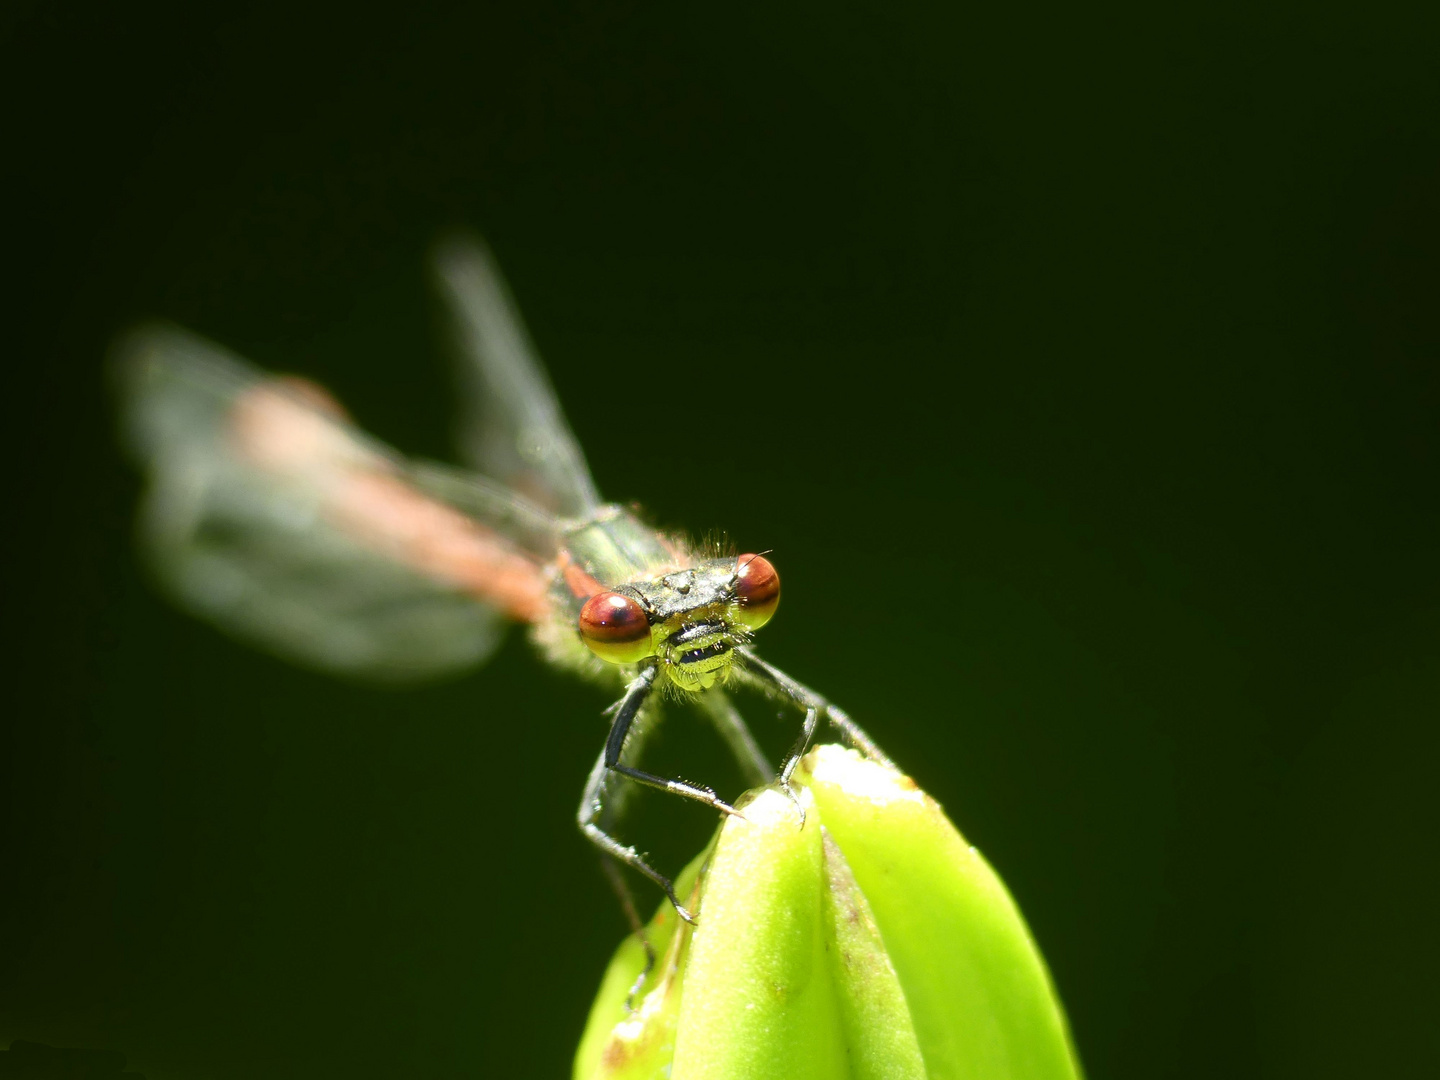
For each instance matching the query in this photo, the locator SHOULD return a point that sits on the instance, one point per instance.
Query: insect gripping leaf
(872, 942)
(270, 514)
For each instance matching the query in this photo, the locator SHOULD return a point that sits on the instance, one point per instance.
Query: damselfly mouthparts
(270, 514)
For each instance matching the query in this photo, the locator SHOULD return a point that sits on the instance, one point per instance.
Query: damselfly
(271, 515)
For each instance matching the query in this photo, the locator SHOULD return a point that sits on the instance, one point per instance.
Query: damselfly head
(690, 620)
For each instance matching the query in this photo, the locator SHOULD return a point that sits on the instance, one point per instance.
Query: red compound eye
(757, 586)
(615, 628)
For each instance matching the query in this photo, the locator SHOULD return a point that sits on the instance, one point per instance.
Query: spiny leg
(593, 801)
(731, 725)
(855, 735)
(590, 807)
(775, 680)
(772, 678)
(682, 788)
(624, 716)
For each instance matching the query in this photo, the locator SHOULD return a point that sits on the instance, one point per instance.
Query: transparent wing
(270, 515)
(513, 429)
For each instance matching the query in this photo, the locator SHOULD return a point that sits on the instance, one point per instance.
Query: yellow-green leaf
(871, 943)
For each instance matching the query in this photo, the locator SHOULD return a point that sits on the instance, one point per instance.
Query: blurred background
(1079, 366)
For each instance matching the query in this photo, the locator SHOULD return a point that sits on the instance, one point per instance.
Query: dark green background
(1079, 364)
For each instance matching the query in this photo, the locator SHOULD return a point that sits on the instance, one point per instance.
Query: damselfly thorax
(269, 513)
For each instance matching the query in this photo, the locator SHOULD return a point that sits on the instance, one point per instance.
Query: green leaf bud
(872, 942)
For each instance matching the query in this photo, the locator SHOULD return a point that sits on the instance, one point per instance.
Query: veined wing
(270, 515)
(513, 429)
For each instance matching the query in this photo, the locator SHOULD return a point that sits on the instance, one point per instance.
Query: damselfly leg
(770, 679)
(593, 817)
(625, 715)
(592, 805)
